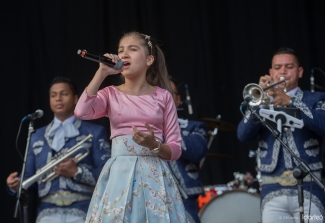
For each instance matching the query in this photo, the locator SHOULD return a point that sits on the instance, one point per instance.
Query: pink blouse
(124, 111)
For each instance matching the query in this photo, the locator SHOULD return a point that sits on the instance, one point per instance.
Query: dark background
(216, 47)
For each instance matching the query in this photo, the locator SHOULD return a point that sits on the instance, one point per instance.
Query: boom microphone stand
(302, 169)
(21, 192)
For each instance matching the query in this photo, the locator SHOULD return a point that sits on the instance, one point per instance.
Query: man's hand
(265, 81)
(13, 181)
(67, 168)
(280, 97)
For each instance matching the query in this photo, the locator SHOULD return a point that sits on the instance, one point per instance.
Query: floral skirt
(135, 186)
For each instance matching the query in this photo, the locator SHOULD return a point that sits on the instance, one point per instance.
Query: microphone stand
(301, 170)
(20, 191)
(212, 136)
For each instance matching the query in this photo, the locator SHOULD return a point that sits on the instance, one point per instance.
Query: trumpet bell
(255, 92)
(258, 94)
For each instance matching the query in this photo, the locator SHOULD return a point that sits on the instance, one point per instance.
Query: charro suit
(305, 143)
(40, 153)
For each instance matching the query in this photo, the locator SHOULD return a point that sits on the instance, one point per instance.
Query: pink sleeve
(171, 128)
(92, 107)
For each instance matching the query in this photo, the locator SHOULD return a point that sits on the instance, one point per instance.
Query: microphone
(37, 114)
(247, 99)
(188, 99)
(101, 59)
(312, 81)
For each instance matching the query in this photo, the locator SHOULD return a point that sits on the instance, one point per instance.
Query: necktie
(60, 131)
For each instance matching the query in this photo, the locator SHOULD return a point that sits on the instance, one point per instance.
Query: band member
(66, 198)
(279, 187)
(135, 184)
(186, 169)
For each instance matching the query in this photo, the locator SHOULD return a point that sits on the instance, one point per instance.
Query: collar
(69, 129)
(293, 92)
(71, 119)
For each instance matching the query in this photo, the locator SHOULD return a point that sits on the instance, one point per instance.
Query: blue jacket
(194, 148)
(305, 143)
(40, 153)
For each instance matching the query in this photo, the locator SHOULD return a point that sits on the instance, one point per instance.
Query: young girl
(136, 185)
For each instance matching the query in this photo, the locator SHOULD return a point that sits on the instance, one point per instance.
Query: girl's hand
(145, 139)
(107, 70)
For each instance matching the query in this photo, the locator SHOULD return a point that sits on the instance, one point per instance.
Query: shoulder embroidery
(38, 143)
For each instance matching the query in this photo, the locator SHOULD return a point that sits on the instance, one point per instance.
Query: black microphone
(101, 59)
(312, 81)
(37, 114)
(248, 98)
(188, 100)
(246, 101)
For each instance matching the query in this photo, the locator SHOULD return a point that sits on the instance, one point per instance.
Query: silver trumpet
(48, 167)
(258, 94)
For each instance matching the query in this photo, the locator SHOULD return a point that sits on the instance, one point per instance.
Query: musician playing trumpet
(279, 194)
(278, 94)
(66, 198)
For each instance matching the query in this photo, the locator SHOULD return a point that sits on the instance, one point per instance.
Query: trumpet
(48, 167)
(258, 94)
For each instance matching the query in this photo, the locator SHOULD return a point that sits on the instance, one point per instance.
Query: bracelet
(156, 150)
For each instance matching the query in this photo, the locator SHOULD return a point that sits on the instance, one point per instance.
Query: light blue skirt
(135, 186)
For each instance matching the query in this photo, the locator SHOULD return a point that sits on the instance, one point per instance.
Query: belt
(287, 179)
(64, 198)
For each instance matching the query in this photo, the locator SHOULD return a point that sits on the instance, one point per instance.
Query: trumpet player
(66, 198)
(279, 194)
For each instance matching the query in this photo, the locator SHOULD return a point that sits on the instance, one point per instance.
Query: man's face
(62, 101)
(176, 96)
(286, 65)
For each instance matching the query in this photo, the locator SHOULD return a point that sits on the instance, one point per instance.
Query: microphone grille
(39, 113)
(118, 65)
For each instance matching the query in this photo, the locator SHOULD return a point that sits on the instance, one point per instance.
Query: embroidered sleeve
(248, 128)
(312, 112)
(194, 143)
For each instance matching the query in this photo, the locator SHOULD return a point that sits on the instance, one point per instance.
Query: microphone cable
(21, 156)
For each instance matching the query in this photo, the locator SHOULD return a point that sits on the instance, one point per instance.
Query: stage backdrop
(215, 47)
